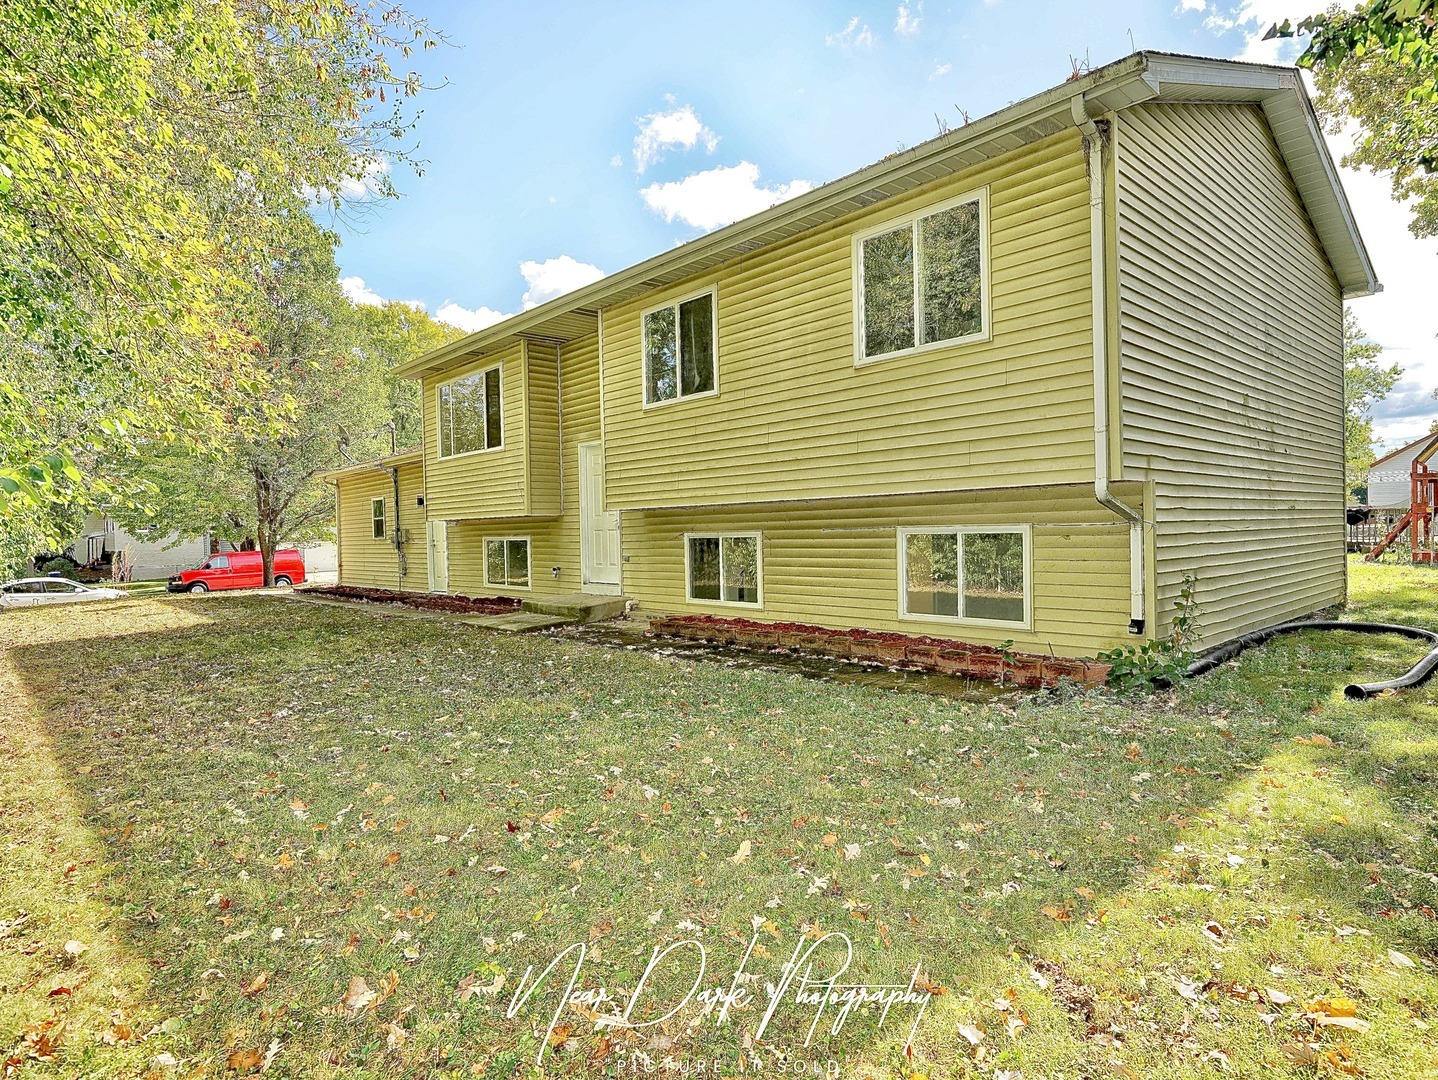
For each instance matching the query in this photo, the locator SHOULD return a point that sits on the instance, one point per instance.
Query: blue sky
(570, 139)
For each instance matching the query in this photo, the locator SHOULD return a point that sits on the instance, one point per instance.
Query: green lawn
(218, 813)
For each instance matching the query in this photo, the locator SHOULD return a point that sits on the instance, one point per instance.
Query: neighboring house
(1012, 384)
(1390, 477)
(158, 555)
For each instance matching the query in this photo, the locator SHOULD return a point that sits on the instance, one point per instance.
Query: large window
(470, 418)
(506, 562)
(724, 568)
(976, 574)
(679, 350)
(378, 529)
(921, 281)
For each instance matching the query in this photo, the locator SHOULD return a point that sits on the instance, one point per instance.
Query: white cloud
(1252, 18)
(677, 129)
(546, 279)
(854, 35)
(908, 20)
(940, 70)
(468, 319)
(359, 292)
(555, 277)
(1402, 318)
(718, 196)
(367, 185)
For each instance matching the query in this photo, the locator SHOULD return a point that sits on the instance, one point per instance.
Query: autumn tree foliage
(152, 154)
(1377, 66)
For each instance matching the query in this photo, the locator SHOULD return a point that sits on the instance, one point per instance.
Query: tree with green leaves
(1365, 383)
(1378, 65)
(322, 393)
(147, 150)
(391, 334)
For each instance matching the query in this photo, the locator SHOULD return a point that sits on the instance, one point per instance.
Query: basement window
(378, 528)
(679, 349)
(470, 414)
(724, 568)
(921, 281)
(506, 562)
(976, 574)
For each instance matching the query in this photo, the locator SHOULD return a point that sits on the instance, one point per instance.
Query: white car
(30, 592)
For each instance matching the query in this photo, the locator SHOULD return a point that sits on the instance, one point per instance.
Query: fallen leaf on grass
(1398, 960)
(244, 1061)
(74, 948)
(742, 855)
(260, 984)
(974, 1035)
(359, 995)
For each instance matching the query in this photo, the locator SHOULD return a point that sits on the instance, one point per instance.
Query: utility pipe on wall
(1093, 140)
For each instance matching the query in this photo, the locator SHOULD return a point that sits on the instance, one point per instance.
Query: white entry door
(598, 530)
(437, 533)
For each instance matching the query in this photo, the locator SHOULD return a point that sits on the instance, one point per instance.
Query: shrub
(64, 567)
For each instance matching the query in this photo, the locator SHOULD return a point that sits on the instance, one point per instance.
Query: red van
(239, 570)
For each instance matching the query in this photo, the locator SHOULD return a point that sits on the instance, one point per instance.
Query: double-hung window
(378, 529)
(506, 562)
(968, 573)
(724, 568)
(922, 281)
(680, 347)
(470, 414)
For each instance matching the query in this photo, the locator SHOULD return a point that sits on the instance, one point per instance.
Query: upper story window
(922, 281)
(377, 526)
(470, 414)
(679, 349)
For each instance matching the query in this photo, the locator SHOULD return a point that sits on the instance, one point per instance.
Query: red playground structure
(1418, 522)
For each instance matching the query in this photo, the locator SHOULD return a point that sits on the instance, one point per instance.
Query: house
(158, 555)
(1390, 477)
(1008, 386)
(155, 554)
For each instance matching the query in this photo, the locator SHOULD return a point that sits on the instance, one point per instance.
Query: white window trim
(528, 557)
(711, 290)
(439, 404)
(382, 516)
(1026, 531)
(979, 195)
(757, 537)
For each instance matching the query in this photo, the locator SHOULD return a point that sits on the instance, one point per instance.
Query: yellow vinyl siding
(487, 483)
(554, 541)
(542, 397)
(374, 563)
(1230, 328)
(794, 418)
(836, 563)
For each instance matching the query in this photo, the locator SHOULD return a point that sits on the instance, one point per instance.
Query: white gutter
(1093, 141)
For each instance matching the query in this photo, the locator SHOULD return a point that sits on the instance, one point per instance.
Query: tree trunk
(264, 526)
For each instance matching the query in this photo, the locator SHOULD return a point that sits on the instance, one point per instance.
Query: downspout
(402, 564)
(1094, 140)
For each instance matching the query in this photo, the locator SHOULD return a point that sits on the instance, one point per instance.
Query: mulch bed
(466, 605)
(943, 656)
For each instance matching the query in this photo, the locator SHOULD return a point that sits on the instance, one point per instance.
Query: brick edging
(942, 656)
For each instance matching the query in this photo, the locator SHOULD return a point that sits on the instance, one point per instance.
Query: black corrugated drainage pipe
(1415, 676)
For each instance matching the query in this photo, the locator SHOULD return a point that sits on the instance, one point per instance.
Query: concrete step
(579, 607)
(519, 622)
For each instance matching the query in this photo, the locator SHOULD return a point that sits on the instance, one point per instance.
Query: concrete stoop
(517, 622)
(578, 607)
